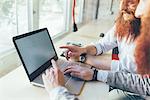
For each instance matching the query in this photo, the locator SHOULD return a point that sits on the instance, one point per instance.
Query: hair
(129, 29)
(142, 50)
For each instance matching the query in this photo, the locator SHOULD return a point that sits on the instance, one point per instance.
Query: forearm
(90, 50)
(61, 93)
(99, 62)
(129, 82)
(104, 45)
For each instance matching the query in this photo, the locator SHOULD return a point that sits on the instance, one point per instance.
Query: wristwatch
(82, 58)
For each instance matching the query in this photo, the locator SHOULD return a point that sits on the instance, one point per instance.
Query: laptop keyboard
(73, 84)
(64, 64)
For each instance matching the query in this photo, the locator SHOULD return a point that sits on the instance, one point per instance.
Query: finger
(66, 68)
(67, 47)
(47, 72)
(44, 79)
(66, 54)
(76, 74)
(70, 71)
(43, 76)
(70, 67)
(55, 67)
(52, 75)
(51, 72)
(54, 63)
(71, 54)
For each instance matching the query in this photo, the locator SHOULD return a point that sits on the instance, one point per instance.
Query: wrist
(90, 50)
(84, 50)
(95, 72)
(75, 59)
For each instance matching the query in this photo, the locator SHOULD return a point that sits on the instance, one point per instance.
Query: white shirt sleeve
(107, 43)
(102, 75)
(123, 64)
(115, 65)
(61, 93)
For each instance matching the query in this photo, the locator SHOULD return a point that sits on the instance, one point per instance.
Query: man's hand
(73, 52)
(53, 77)
(80, 72)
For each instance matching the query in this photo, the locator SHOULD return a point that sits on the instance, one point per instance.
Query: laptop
(36, 50)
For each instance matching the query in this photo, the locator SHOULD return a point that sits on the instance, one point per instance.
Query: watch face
(82, 59)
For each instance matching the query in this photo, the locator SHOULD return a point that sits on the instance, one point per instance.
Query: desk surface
(16, 86)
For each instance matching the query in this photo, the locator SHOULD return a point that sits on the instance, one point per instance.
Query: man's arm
(108, 42)
(126, 81)
(104, 45)
(129, 82)
(54, 84)
(90, 50)
(102, 62)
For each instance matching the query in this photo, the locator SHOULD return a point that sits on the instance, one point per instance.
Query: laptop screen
(36, 49)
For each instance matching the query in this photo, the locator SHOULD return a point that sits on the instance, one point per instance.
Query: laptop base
(74, 85)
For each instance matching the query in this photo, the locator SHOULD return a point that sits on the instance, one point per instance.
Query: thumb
(44, 79)
(55, 66)
(54, 63)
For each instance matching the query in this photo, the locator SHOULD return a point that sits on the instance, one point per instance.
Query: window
(7, 23)
(52, 14)
(13, 20)
(22, 16)
(79, 11)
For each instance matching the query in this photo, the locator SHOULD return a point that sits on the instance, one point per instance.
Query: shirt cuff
(115, 65)
(102, 75)
(98, 48)
(54, 93)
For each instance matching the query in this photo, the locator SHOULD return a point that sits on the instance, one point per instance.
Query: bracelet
(95, 75)
(92, 67)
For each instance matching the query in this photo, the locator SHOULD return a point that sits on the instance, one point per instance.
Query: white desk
(16, 86)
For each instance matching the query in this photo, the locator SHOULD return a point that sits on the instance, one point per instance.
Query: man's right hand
(80, 72)
(73, 52)
(53, 77)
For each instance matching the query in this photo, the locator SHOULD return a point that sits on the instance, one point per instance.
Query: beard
(130, 28)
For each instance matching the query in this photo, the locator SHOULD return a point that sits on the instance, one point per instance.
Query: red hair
(142, 50)
(128, 29)
(132, 30)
